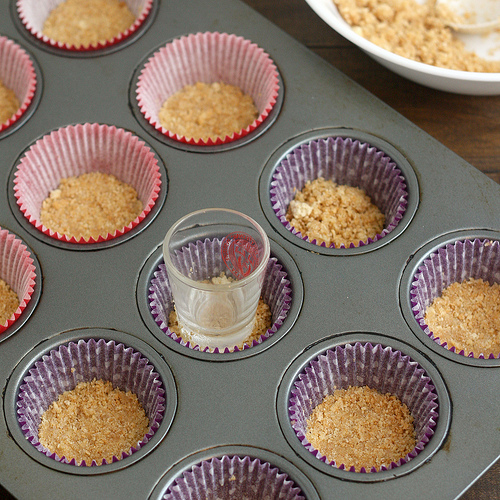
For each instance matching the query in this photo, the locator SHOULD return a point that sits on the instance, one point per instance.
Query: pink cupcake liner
(33, 14)
(376, 366)
(79, 149)
(233, 477)
(17, 270)
(276, 291)
(455, 262)
(17, 74)
(208, 58)
(64, 368)
(345, 161)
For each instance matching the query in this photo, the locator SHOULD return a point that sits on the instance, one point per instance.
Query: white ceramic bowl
(459, 82)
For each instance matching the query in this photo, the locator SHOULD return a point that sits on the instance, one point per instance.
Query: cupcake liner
(33, 14)
(63, 368)
(376, 366)
(233, 477)
(454, 263)
(17, 74)
(79, 149)
(17, 270)
(345, 161)
(208, 58)
(276, 291)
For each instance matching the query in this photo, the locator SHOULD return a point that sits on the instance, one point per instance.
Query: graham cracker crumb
(93, 422)
(467, 316)
(204, 111)
(86, 22)
(360, 427)
(332, 213)
(9, 103)
(9, 302)
(412, 30)
(90, 205)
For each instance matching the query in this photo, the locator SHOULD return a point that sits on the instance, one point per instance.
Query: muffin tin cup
(83, 148)
(208, 57)
(448, 259)
(281, 290)
(17, 269)
(33, 13)
(364, 359)
(234, 472)
(60, 363)
(18, 74)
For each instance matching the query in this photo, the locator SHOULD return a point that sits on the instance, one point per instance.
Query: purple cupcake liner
(62, 369)
(233, 477)
(276, 291)
(345, 161)
(376, 366)
(453, 263)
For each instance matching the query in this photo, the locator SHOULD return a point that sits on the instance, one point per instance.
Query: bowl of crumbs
(419, 40)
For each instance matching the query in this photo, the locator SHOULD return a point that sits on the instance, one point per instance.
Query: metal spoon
(471, 16)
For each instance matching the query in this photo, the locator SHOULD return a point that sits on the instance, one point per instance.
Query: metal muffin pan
(235, 407)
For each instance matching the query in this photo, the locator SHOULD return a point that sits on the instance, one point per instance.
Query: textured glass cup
(216, 261)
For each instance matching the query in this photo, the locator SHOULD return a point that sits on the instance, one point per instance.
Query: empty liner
(454, 263)
(207, 58)
(33, 14)
(345, 161)
(357, 365)
(276, 291)
(233, 477)
(63, 368)
(17, 270)
(17, 74)
(80, 149)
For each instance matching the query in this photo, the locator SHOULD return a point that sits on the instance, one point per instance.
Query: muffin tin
(234, 407)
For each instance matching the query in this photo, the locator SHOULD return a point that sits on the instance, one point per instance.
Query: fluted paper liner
(79, 149)
(33, 14)
(17, 74)
(65, 367)
(345, 161)
(233, 477)
(17, 270)
(455, 262)
(207, 58)
(276, 291)
(376, 366)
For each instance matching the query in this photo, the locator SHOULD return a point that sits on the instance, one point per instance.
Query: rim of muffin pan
(396, 156)
(35, 99)
(35, 296)
(297, 296)
(277, 461)
(89, 246)
(414, 262)
(79, 53)
(194, 148)
(16, 379)
(311, 353)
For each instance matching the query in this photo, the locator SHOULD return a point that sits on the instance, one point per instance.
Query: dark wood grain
(468, 125)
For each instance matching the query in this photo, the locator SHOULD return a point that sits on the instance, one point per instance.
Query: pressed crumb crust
(93, 422)
(412, 30)
(9, 302)
(467, 316)
(207, 111)
(90, 205)
(332, 213)
(86, 22)
(360, 427)
(9, 103)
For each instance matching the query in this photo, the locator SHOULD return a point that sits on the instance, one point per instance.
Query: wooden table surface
(468, 125)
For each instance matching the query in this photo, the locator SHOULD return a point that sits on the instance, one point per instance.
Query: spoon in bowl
(471, 16)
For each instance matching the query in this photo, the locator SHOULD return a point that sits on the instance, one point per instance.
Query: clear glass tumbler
(216, 261)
